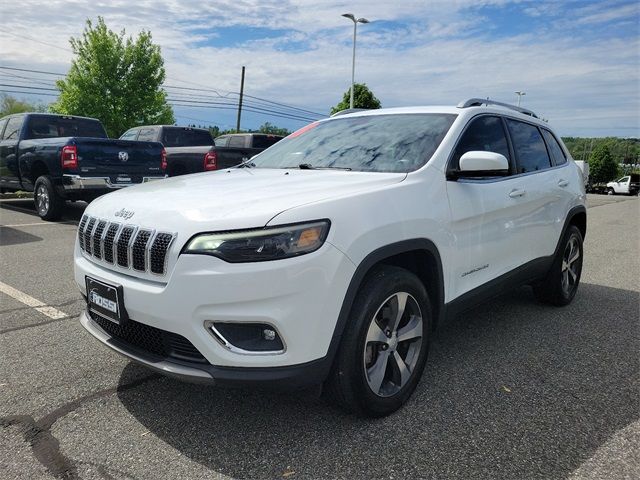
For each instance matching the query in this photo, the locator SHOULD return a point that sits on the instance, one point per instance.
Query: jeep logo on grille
(125, 214)
(123, 156)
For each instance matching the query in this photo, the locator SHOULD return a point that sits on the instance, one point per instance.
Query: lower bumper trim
(279, 378)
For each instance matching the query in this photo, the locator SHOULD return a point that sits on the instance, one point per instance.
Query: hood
(230, 199)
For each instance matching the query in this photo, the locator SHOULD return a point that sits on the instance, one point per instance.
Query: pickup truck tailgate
(119, 159)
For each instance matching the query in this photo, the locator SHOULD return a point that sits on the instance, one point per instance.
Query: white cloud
(443, 53)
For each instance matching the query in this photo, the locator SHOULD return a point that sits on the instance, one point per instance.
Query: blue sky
(577, 61)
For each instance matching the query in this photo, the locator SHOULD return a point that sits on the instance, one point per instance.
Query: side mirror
(483, 164)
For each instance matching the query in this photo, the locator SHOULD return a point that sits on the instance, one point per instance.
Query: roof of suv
(473, 109)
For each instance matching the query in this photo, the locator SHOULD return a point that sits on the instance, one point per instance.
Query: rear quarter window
(555, 150)
(530, 149)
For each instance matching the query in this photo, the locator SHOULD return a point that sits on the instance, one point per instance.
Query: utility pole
(240, 101)
(520, 94)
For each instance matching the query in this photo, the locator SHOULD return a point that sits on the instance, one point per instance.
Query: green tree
(273, 130)
(602, 166)
(115, 79)
(9, 105)
(362, 98)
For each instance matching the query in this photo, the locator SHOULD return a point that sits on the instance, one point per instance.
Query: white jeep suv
(331, 256)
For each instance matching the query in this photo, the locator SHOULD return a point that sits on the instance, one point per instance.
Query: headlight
(259, 245)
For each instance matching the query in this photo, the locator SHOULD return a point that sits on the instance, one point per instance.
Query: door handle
(563, 183)
(517, 193)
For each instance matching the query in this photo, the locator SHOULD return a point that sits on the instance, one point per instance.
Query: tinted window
(265, 141)
(44, 126)
(531, 152)
(484, 134)
(186, 137)
(557, 154)
(130, 134)
(147, 135)
(622, 180)
(237, 141)
(372, 143)
(14, 125)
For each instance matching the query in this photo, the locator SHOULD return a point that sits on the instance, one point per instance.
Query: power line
(212, 90)
(256, 108)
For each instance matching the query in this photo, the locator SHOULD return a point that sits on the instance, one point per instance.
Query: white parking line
(28, 300)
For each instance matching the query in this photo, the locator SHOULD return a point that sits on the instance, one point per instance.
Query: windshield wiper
(248, 163)
(308, 166)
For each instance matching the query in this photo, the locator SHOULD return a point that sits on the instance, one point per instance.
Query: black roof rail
(477, 102)
(349, 110)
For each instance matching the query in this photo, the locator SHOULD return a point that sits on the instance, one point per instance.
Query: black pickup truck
(191, 150)
(61, 158)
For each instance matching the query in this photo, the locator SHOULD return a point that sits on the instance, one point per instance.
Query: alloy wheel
(393, 344)
(570, 265)
(42, 198)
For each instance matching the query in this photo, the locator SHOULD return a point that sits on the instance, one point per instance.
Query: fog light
(247, 337)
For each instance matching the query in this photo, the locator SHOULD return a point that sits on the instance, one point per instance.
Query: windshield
(186, 137)
(376, 143)
(44, 126)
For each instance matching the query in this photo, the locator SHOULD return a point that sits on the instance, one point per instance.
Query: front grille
(139, 249)
(108, 241)
(127, 246)
(87, 235)
(83, 224)
(97, 238)
(150, 339)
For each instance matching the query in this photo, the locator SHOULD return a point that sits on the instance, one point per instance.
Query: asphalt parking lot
(513, 389)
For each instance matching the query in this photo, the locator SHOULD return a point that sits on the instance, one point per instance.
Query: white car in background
(627, 185)
(331, 257)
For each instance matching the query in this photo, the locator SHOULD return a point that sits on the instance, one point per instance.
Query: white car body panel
(479, 227)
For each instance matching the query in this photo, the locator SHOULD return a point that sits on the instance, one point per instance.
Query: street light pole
(520, 94)
(355, 21)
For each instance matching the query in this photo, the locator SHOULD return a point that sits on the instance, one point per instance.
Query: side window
(14, 125)
(130, 134)
(485, 134)
(2, 125)
(236, 141)
(557, 154)
(622, 180)
(147, 135)
(531, 152)
(222, 141)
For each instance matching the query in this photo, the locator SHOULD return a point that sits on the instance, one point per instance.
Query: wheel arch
(577, 216)
(420, 256)
(38, 168)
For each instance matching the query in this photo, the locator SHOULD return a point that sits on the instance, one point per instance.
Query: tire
(48, 203)
(610, 191)
(562, 281)
(367, 378)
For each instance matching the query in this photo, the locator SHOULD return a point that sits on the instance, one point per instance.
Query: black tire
(611, 191)
(562, 281)
(48, 203)
(348, 384)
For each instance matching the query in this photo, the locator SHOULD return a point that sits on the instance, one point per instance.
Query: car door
(485, 212)
(544, 194)
(9, 173)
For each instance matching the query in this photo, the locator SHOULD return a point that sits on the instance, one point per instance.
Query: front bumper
(294, 376)
(76, 182)
(301, 297)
